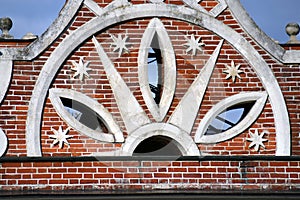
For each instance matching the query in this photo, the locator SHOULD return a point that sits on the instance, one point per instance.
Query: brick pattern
(14, 108)
(188, 67)
(151, 175)
(228, 175)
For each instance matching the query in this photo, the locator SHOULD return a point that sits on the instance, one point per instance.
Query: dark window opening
(158, 145)
(229, 118)
(155, 69)
(84, 115)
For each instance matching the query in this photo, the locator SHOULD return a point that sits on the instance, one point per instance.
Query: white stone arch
(182, 140)
(274, 49)
(130, 12)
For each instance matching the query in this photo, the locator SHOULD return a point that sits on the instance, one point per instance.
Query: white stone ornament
(60, 137)
(233, 71)
(120, 44)
(114, 135)
(156, 1)
(259, 99)
(129, 107)
(118, 14)
(3, 143)
(193, 44)
(81, 69)
(257, 140)
(186, 112)
(156, 29)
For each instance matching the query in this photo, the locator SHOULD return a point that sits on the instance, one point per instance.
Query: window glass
(155, 70)
(229, 118)
(84, 115)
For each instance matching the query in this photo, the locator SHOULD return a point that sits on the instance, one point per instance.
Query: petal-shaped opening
(156, 46)
(230, 117)
(85, 115)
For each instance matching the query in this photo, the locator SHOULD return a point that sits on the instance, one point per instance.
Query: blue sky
(36, 15)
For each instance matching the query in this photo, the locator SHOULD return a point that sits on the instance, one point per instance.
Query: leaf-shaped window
(156, 46)
(230, 117)
(85, 115)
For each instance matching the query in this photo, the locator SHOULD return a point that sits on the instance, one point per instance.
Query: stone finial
(292, 29)
(5, 25)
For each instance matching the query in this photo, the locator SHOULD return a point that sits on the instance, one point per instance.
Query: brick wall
(152, 175)
(212, 174)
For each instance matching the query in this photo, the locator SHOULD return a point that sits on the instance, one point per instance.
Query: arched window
(158, 145)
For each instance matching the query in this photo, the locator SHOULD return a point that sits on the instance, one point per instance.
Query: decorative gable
(214, 79)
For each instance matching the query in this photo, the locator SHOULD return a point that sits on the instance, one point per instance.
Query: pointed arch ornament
(119, 11)
(156, 28)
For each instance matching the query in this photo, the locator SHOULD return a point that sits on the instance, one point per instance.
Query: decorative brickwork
(82, 89)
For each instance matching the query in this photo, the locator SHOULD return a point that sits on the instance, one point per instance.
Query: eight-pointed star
(60, 137)
(256, 140)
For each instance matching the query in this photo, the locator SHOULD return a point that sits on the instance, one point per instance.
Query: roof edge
(48, 37)
(262, 39)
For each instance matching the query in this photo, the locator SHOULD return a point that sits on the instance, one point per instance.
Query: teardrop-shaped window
(229, 118)
(155, 70)
(84, 115)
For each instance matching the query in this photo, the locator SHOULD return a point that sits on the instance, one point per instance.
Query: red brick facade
(237, 173)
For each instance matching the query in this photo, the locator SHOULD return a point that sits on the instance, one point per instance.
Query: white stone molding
(264, 41)
(218, 9)
(260, 99)
(186, 112)
(81, 69)
(213, 12)
(3, 143)
(169, 66)
(156, 1)
(93, 6)
(115, 134)
(130, 12)
(195, 5)
(47, 38)
(131, 111)
(6, 66)
(71, 8)
(233, 71)
(183, 141)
